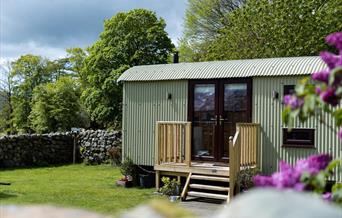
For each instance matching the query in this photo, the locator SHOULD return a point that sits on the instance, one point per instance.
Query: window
(297, 137)
(289, 89)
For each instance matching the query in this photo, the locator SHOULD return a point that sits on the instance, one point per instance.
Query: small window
(300, 138)
(289, 89)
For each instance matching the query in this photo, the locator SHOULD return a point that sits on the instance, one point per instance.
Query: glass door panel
(235, 110)
(204, 120)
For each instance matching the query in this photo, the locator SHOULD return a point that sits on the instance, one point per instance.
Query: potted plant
(128, 170)
(245, 178)
(170, 188)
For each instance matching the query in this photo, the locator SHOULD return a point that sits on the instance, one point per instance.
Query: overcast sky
(48, 27)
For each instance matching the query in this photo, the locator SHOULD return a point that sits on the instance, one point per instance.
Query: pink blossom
(322, 76)
(331, 59)
(335, 39)
(329, 96)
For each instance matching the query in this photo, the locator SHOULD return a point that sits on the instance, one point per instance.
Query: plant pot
(174, 198)
(146, 181)
(124, 183)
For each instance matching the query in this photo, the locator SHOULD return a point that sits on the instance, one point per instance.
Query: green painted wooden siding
(145, 103)
(267, 112)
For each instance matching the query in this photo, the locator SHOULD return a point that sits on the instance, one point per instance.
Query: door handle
(221, 120)
(214, 119)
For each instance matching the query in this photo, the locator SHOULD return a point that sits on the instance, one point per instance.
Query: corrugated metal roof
(225, 69)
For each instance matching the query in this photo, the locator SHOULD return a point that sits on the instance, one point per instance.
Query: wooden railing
(173, 143)
(250, 133)
(243, 152)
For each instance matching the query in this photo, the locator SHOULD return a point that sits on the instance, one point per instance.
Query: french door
(215, 106)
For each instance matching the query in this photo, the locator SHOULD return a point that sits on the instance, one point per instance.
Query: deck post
(188, 144)
(157, 180)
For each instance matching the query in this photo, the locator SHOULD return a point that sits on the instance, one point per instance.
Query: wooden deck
(173, 158)
(179, 169)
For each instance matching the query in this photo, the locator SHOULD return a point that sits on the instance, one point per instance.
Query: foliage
(281, 28)
(137, 37)
(76, 186)
(128, 168)
(170, 187)
(115, 155)
(312, 100)
(56, 107)
(204, 19)
(308, 174)
(6, 105)
(245, 178)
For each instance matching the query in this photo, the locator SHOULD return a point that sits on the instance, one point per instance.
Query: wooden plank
(210, 178)
(164, 143)
(188, 144)
(186, 186)
(209, 187)
(157, 180)
(184, 169)
(207, 195)
(156, 147)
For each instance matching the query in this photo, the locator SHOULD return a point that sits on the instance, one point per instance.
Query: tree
(280, 28)
(75, 63)
(204, 20)
(137, 37)
(6, 107)
(56, 107)
(28, 72)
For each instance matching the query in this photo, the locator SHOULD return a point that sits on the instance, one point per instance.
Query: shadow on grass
(3, 168)
(4, 195)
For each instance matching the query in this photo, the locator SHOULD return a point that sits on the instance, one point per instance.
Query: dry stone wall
(57, 148)
(94, 145)
(36, 149)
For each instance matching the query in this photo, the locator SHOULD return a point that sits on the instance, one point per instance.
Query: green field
(80, 186)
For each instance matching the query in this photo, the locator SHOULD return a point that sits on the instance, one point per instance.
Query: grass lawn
(80, 186)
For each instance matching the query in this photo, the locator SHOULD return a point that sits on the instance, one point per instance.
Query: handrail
(234, 162)
(243, 152)
(173, 142)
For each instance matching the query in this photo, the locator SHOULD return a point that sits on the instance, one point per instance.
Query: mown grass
(80, 186)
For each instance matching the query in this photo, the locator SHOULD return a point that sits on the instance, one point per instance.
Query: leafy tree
(204, 20)
(280, 28)
(137, 37)
(56, 107)
(6, 107)
(75, 63)
(28, 72)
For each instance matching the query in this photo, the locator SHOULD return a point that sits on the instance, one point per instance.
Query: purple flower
(263, 181)
(331, 59)
(318, 90)
(335, 39)
(312, 164)
(329, 96)
(293, 101)
(327, 196)
(320, 161)
(322, 76)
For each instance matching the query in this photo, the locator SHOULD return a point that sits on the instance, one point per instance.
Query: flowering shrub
(312, 100)
(323, 96)
(308, 174)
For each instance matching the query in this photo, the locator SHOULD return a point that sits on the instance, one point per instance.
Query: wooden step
(207, 195)
(209, 187)
(210, 178)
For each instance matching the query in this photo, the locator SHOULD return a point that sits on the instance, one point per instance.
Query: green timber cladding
(145, 102)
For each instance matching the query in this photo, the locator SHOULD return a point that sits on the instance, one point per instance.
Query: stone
(269, 203)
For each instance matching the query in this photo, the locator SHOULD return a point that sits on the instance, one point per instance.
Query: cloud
(47, 28)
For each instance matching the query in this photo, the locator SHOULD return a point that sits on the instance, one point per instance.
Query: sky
(48, 27)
